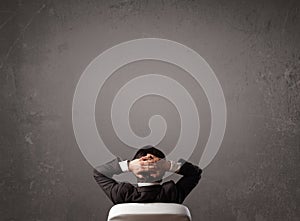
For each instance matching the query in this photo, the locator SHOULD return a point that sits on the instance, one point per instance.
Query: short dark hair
(149, 149)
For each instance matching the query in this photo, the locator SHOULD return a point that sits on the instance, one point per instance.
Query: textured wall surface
(254, 49)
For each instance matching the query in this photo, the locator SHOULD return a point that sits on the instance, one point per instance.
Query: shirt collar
(147, 184)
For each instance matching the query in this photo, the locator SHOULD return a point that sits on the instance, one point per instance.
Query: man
(149, 166)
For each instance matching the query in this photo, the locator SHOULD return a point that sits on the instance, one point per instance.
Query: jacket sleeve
(191, 176)
(103, 175)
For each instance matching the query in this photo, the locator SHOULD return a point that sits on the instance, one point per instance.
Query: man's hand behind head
(139, 166)
(149, 168)
(150, 158)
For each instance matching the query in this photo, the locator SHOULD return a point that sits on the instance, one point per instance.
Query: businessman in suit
(149, 166)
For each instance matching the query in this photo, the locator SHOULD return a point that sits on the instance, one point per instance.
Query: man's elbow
(97, 174)
(198, 174)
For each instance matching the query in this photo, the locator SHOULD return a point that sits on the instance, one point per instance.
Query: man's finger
(148, 169)
(144, 163)
(144, 158)
(147, 163)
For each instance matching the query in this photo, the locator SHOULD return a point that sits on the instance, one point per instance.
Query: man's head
(150, 154)
(149, 150)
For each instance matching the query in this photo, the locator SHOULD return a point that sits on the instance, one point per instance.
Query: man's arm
(103, 175)
(115, 190)
(191, 176)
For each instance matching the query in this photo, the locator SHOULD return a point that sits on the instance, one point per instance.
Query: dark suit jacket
(168, 192)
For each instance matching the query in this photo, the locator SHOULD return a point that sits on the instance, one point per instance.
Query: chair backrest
(149, 212)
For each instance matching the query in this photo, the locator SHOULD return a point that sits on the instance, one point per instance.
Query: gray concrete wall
(253, 47)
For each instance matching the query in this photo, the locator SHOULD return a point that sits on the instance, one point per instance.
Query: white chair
(149, 212)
